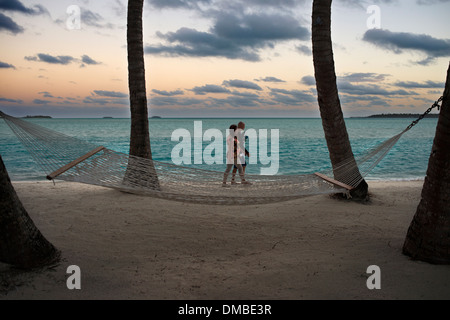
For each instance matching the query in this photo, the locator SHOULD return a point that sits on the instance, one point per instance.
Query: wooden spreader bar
(335, 182)
(61, 170)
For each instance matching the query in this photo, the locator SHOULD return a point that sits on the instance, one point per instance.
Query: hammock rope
(71, 159)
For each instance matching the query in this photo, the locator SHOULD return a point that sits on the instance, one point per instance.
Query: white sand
(135, 247)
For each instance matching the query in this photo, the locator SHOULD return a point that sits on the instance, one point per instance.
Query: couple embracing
(236, 153)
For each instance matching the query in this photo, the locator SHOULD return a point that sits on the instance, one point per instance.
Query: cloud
(42, 57)
(373, 100)
(93, 19)
(291, 97)
(105, 101)
(14, 5)
(120, 9)
(86, 59)
(168, 93)
(245, 94)
(256, 29)
(63, 60)
(11, 100)
(110, 94)
(426, 84)
(202, 4)
(39, 101)
(275, 3)
(173, 4)
(351, 90)
(363, 4)
(4, 65)
(242, 84)
(364, 77)
(431, 2)
(209, 88)
(350, 77)
(247, 99)
(233, 36)
(160, 101)
(398, 42)
(375, 90)
(7, 24)
(17, 6)
(46, 94)
(304, 50)
(308, 80)
(89, 100)
(270, 79)
(192, 43)
(104, 97)
(236, 101)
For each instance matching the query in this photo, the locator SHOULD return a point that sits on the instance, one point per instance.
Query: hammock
(71, 159)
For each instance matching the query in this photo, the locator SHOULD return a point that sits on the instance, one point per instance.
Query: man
(242, 151)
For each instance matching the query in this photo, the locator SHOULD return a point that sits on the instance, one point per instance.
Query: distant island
(156, 117)
(41, 117)
(107, 117)
(402, 115)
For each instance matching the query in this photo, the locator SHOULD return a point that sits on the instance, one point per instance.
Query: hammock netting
(67, 158)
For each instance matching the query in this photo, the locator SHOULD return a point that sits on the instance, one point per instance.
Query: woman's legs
(233, 175)
(242, 174)
(241, 170)
(226, 173)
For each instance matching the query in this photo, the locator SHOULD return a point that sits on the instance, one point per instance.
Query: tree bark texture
(21, 243)
(428, 236)
(327, 92)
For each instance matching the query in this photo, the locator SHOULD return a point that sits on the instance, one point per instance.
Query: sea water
(302, 146)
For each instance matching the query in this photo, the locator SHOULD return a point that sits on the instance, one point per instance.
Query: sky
(220, 58)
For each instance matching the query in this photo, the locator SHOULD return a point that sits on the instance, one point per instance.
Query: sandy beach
(136, 247)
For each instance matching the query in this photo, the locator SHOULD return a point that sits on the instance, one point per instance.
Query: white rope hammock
(71, 159)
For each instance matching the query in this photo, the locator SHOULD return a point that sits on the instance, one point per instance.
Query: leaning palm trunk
(330, 107)
(428, 236)
(139, 137)
(21, 243)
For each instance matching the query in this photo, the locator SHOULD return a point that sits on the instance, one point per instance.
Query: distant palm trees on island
(402, 115)
(40, 117)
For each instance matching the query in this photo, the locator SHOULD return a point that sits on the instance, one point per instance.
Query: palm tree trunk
(329, 104)
(21, 243)
(428, 236)
(139, 135)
